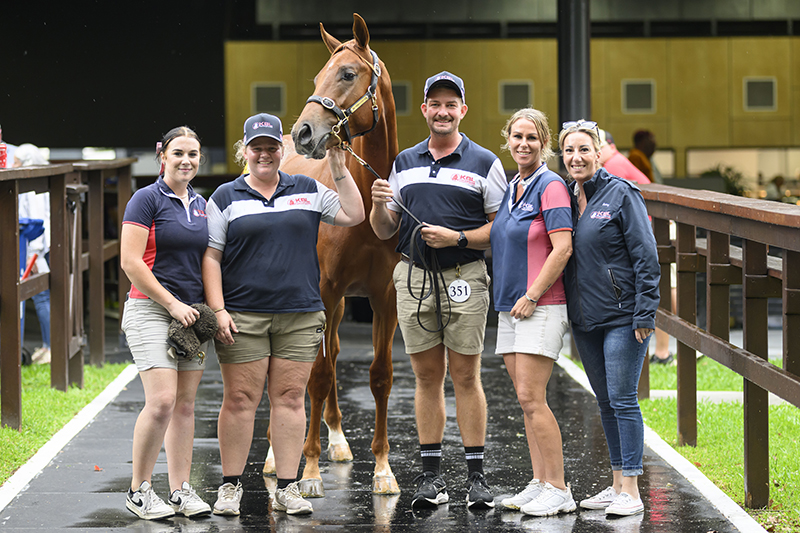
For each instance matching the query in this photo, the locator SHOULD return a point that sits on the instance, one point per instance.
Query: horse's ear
(330, 41)
(360, 31)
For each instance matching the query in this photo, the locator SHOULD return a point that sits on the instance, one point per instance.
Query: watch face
(462, 240)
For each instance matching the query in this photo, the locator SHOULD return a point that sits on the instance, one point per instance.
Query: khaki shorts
(465, 331)
(542, 333)
(145, 324)
(292, 336)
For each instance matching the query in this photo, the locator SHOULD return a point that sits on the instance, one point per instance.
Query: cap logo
(261, 125)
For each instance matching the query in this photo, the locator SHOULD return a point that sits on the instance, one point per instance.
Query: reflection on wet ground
(72, 495)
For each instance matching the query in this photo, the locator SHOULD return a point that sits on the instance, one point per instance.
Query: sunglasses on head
(588, 124)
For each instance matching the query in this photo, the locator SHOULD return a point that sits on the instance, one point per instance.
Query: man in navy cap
(454, 187)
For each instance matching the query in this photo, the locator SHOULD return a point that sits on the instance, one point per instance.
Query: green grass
(711, 376)
(45, 411)
(720, 451)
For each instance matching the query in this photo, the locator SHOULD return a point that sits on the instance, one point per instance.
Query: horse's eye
(349, 76)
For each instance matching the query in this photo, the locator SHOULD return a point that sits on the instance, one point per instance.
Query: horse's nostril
(304, 134)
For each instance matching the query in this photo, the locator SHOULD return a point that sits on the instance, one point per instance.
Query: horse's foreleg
(319, 383)
(338, 448)
(384, 323)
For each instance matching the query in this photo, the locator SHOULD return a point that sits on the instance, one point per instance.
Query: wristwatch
(462, 240)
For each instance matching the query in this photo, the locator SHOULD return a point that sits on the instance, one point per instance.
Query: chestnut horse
(353, 261)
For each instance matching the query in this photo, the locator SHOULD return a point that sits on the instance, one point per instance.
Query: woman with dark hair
(164, 234)
(612, 297)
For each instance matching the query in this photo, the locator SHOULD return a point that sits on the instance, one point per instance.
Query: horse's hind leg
(384, 323)
(338, 448)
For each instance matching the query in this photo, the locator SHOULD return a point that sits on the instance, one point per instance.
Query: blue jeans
(42, 303)
(613, 360)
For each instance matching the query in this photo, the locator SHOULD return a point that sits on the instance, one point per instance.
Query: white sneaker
(291, 501)
(145, 504)
(528, 494)
(550, 501)
(185, 501)
(601, 500)
(229, 496)
(625, 505)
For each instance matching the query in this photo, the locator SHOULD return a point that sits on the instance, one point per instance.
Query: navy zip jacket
(613, 274)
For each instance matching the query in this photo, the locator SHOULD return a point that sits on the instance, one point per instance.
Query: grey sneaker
(528, 494)
(185, 501)
(145, 504)
(431, 491)
(290, 501)
(229, 496)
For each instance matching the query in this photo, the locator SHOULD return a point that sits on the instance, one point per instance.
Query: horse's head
(345, 85)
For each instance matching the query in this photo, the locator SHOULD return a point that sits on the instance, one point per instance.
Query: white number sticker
(459, 291)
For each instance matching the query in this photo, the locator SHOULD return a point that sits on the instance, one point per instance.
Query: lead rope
(432, 272)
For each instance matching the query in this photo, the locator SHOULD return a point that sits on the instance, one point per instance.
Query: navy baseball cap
(263, 125)
(445, 79)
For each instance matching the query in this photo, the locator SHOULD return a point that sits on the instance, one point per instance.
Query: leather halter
(344, 115)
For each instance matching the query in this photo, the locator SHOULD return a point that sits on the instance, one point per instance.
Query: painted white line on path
(22, 477)
(729, 508)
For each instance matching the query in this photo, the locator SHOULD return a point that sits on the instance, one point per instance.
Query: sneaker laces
(228, 493)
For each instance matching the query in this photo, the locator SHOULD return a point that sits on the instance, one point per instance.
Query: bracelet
(218, 310)
(531, 300)
(340, 179)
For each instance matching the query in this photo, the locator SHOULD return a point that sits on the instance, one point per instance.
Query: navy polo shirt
(177, 240)
(456, 192)
(269, 246)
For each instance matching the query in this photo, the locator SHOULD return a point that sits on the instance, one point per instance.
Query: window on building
(760, 94)
(515, 95)
(268, 98)
(402, 97)
(638, 96)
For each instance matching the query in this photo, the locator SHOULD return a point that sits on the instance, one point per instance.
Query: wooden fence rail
(71, 186)
(761, 225)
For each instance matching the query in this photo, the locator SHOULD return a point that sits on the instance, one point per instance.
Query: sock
(233, 480)
(431, 457)
(283, 483)
(474, 456)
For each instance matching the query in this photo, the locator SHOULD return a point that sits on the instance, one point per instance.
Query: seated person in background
(775, 189)
(616, 163)
(644, 146)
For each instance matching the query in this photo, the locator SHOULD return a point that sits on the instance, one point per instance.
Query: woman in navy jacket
(612, 296)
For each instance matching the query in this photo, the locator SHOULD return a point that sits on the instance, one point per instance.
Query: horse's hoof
(311, 488)
(339, 453)
(385, 485)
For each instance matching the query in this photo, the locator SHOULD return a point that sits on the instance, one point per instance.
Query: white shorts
(145, 324)
(541, 333)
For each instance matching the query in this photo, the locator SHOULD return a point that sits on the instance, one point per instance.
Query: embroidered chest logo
(604, 215)
(526, 207)
(463, 178)
(299, 201)
(199, 213)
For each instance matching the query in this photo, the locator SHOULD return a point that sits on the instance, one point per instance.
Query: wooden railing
(71, 185)
(760, 225)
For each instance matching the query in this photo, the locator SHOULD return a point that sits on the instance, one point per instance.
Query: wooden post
(10, 334)
(60, 326)
(96, 296)
(687, 310)
(756, 399)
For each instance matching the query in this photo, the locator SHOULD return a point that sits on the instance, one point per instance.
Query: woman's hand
(642, 334)
(226, 328)
(523, 308)
(183, 313)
